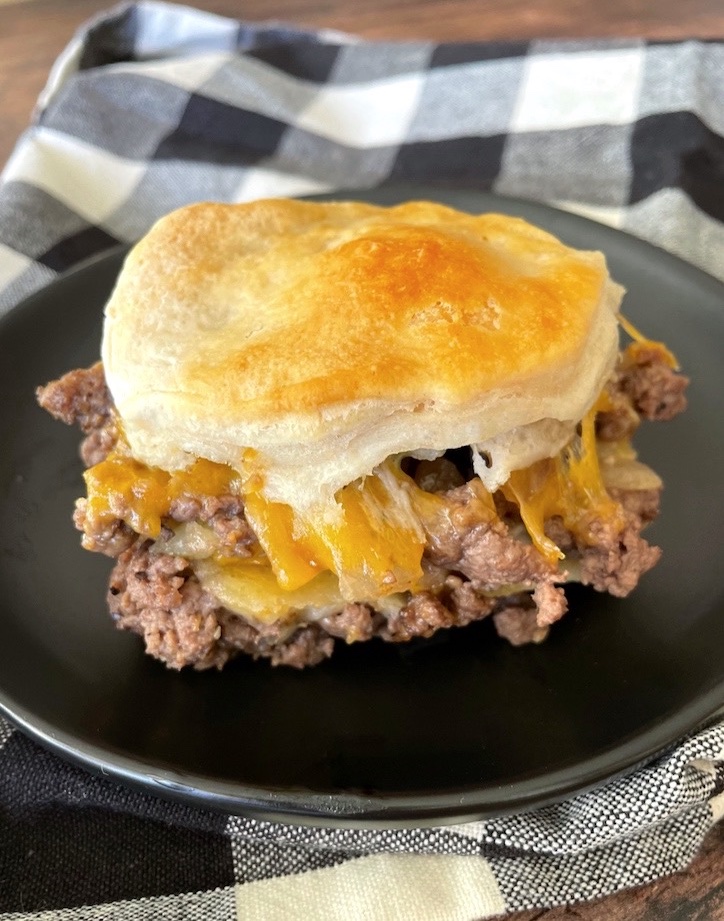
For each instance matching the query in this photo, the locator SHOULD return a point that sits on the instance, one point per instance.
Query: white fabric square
(188, 73)
(474, 831)
(12, 265)
(717, 807)
(474, 99)
(560, 91)
(269, 183)
(343, 113)
(90, 181)
(166, 30)
(383, 887)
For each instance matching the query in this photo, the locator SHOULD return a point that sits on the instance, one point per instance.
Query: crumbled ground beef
(158, 597)
(469, 555)
(155, 596)
(642, 504)
(82, 398)
(79, 398)
(461, 596)
(619, 421)
(617, 560)
(111, 538)
(551, 603)
(491, 557)
(613, 560)
(423, 615)
(225, 514)
(468, 541)
(353, 623)
(439, 475)
(518, 624)
(643, 386)
(656, 391)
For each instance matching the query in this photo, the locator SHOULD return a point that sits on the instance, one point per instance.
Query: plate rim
(304, 807)
(380, 809)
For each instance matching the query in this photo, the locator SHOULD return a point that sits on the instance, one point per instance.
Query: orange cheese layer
(375, 545)
(121, 487)
(375, 541)
(569, 485)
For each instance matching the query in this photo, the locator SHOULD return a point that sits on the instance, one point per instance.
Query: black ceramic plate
(448, 729)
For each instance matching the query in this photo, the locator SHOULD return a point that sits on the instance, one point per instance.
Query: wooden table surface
(33, 32)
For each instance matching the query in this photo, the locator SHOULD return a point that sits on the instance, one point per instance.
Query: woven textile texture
(153, 106)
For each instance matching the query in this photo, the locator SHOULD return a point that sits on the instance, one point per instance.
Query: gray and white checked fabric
(153, 106)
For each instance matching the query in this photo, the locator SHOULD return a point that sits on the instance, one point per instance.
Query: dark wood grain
(33, 32)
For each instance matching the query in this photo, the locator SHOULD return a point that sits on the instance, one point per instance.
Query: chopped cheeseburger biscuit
(341, 421)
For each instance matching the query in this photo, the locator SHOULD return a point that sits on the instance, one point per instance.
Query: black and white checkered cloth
(153, 106)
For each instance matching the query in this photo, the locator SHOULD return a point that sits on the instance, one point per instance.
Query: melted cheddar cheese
(121, 487)
(371, 549)
(253, 591)
(641, 343)
(373, 544)
(569, 485)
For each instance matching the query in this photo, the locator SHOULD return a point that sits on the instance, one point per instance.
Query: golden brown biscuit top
(273, 317)
(289, 305)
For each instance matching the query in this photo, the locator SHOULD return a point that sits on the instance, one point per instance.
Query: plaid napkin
(153, 106)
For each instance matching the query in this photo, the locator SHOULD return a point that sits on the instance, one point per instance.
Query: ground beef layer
(157, 595)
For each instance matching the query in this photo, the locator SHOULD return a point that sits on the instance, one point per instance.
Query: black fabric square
(210, 131)
(676, 149)
(68, 838)
(306, 60)
(452, 53)
(73, 249)
(60, 858)
(474, 159)
(110, 40)
(31, 777)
